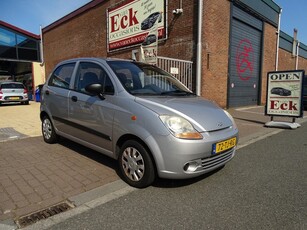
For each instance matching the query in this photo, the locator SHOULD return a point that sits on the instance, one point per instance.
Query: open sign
(285, 93)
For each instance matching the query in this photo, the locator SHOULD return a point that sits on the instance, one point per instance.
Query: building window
(17, 46)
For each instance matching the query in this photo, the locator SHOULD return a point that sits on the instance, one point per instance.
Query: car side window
(62, 75)
(90, 73)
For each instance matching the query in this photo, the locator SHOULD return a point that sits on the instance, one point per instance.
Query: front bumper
(14, 98)
(180, 159)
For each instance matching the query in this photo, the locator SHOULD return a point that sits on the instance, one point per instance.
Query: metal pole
(41, 46)
(199, 48)
(297, 53)
(277, 45)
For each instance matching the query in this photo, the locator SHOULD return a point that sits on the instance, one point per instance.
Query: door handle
(47, 92)
(74, 98)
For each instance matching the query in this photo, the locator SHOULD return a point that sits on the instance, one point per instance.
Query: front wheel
(135, 164)
(48, 131)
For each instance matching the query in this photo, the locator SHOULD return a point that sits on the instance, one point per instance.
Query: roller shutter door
(245, 57)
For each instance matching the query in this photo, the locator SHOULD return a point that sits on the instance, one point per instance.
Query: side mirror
(95, 89)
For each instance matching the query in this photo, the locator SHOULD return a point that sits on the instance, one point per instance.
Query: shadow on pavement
(89, 153)
(111, 163)
(249, 120)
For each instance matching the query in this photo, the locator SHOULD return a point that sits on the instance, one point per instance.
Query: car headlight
(180, 127)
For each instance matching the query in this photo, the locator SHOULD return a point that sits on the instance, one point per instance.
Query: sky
(29, 15)
(294, 15)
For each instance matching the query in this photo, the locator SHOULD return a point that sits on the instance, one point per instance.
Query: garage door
(245, 56)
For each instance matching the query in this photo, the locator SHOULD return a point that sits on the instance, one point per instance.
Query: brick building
(232, 44)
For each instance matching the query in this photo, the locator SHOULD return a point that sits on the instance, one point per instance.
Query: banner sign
(130, 21)
(149, 47)
(285, 93)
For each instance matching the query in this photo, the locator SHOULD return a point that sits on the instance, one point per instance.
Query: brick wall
(285, 60)
(182, 32)
(269, 57)
(215, 45)
(302, 64)
(288, 62)
(85, 36)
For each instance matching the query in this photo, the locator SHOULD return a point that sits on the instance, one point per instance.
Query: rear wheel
(48, 131)
(136, 165)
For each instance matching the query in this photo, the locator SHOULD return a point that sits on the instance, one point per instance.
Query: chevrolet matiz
(139, 115)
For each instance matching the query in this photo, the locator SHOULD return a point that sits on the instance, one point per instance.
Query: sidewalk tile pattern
(35, 175)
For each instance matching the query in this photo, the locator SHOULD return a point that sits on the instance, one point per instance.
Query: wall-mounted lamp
(178, 11)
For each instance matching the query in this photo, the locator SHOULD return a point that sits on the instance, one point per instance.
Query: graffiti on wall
(245, 59)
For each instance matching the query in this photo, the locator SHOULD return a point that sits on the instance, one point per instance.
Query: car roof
(94, 59)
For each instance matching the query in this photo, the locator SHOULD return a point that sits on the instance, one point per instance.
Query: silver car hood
(203, 114)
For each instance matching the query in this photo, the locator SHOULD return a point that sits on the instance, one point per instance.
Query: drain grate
(43, 214)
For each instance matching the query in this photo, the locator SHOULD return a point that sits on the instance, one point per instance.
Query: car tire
(48, 131)
(136, 165)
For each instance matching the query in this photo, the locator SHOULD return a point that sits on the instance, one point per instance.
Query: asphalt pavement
(35, 176)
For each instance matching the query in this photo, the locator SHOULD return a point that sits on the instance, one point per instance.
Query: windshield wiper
(178, 93)
(144, 94)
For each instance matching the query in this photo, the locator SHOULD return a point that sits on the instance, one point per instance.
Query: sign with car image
(130, 22)
(285, 93)
(149, 47)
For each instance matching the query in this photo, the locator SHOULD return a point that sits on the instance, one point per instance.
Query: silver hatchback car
(138, 114)
(13, 92)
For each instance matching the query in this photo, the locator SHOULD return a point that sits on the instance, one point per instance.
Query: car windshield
(143, 79)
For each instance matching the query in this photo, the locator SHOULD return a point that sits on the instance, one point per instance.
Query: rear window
(12, 86)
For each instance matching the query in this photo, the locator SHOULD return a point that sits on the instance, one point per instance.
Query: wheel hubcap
(133, 164)
(47, 128)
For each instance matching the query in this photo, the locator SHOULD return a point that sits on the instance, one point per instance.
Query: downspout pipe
(277, 42)
(199, 48)
(41, 46)
(297, 53)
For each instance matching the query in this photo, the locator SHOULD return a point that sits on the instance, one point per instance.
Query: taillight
(1, 94)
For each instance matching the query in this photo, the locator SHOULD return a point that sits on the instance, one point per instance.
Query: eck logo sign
(285, 93)
(122, 22)
(130, 22)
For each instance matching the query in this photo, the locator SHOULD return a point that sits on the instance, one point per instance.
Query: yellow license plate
(14, 98)
(224, 145)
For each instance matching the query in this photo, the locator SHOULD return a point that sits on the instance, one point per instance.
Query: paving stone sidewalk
(35, 175)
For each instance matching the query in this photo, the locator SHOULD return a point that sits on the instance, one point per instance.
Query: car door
(91, 116)
(56, 95)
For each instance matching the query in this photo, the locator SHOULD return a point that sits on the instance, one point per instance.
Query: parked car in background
(151, 20)
(13, 92)
(281, 91)
(151, 38)
(138, 114)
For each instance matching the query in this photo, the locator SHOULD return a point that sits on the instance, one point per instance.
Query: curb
(84, 202)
